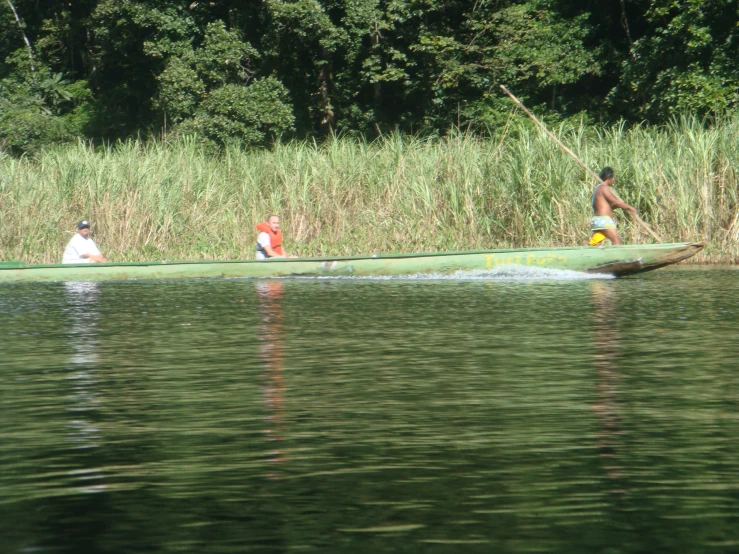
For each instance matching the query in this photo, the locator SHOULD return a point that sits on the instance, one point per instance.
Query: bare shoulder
(605, 192)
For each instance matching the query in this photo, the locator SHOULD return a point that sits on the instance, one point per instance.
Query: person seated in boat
(604, 201)
(269, 240)
(81, 249)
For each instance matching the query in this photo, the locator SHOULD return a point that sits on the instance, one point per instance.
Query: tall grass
(155, 200)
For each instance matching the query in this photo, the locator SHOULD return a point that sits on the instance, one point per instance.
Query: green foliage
(154, 29)
(204, 90)
(686, 61)
(250, 114)
(357, 67)
(180, 89)
(39, 107)
(395, 194)
(224, 57)
(132, 42)
(24, 128)
(188, 77)
(537, 44)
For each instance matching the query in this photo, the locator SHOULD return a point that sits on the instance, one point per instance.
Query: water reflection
(82, 320)
(607, 349)
(272, 354)
(423, 417)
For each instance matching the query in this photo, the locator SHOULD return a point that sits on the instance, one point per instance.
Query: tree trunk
(377, 86)
(325, 87)
(25, 38)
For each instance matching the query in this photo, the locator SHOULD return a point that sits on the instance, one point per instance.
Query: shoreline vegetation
(178, 200)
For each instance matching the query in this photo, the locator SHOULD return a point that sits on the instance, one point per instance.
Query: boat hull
(613, 260)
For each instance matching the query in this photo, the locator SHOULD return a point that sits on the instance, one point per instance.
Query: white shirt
(76, 247)
(262, 241)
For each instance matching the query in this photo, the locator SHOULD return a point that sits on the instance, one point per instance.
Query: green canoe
(614, 260)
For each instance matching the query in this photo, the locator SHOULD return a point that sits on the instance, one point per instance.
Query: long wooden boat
(614, 260)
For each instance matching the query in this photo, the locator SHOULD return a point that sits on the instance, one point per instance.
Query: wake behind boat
(618, 261)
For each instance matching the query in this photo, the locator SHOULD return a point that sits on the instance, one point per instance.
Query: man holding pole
(599, 196)
(604, 201)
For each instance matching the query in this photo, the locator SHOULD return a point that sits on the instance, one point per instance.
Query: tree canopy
(254, 71)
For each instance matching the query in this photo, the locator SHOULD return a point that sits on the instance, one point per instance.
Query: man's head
(83, 228)
(274, 223)
(606, 175)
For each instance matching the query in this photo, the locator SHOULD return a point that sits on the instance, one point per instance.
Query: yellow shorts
(597, 238)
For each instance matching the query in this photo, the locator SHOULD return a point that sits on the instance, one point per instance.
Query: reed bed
(178, 200)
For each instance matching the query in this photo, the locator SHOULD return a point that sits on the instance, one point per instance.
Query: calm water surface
(419, 416)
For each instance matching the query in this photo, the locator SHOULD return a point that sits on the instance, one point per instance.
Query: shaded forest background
(248, 71)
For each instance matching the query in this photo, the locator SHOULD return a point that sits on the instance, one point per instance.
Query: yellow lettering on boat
(491, 260)
(533, 259)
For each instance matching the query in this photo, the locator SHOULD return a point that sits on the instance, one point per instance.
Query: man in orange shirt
(269, 240)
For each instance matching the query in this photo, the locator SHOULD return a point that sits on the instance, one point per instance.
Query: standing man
(269, 240)
(604, 202)
(81, 248)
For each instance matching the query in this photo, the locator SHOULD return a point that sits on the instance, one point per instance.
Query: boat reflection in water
(607, 351)
(83, 317)
(271, 351)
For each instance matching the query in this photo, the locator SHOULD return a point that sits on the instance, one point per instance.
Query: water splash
(501, 273)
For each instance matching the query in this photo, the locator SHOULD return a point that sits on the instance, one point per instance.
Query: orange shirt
(275, 238)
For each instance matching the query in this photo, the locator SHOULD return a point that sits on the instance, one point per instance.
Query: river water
(486, 413)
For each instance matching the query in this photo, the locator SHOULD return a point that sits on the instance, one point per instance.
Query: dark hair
(606, 173)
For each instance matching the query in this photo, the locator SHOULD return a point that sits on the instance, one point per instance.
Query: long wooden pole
(574, 156)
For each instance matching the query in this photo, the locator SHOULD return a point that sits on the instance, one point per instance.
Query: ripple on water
(477, 412)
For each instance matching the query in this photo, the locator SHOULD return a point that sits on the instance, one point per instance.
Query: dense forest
(249, 71)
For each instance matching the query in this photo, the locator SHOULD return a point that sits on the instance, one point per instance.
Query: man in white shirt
(81, 249)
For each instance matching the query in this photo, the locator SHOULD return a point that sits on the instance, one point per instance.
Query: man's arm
(616, 202)
(95, 257)
(271, 252)
(263, 242)
(93, 253)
